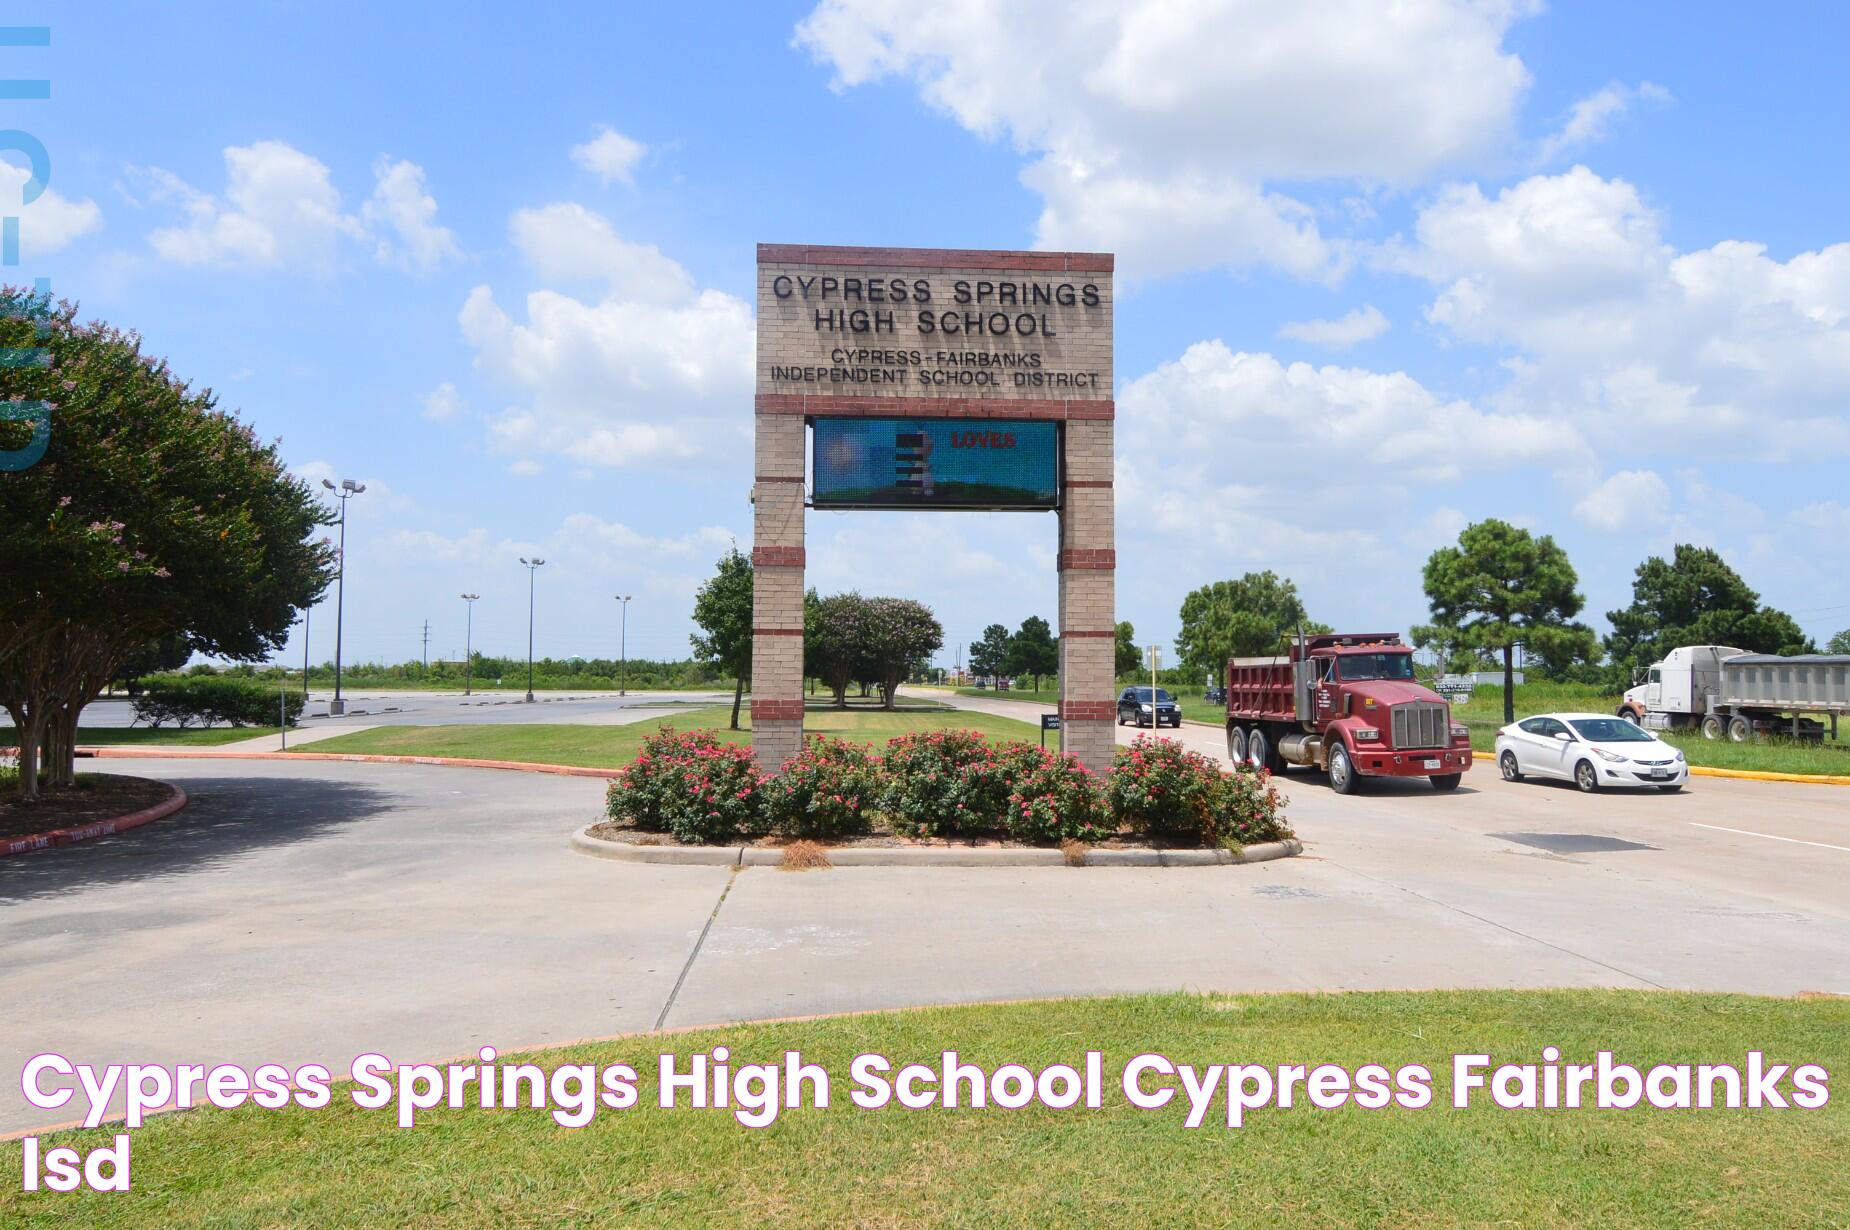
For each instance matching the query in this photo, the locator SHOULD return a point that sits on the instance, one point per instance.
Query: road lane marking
(1823, 845)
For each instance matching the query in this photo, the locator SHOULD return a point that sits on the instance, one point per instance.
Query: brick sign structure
(919, 362)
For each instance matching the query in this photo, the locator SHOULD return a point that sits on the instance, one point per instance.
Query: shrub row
(204, 700)
(951, 783)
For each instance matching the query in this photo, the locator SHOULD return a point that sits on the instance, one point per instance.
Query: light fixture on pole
(533, 566)
(623, 650)
(346, 491)
(468, 633)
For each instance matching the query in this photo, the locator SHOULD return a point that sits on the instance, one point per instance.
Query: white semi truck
(1728, 693)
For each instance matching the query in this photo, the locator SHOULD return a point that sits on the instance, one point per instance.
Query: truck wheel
(1740, 730)
(1586, 777)
(1236, 745)
(1629, 714)
(1446, 781)
(1258, 748)
(1712, 727)
(1342, 772)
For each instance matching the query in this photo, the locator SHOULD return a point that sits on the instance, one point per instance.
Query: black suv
(1134, 707)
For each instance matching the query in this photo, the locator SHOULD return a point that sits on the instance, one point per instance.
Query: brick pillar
(1088, 619)
(777, 590)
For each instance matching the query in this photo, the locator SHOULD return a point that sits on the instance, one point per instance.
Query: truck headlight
(1460, 731)
(1367, 734)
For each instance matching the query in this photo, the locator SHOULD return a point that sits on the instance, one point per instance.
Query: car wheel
(1672, 788)
(1342, 772)
(1120, 717)
(1236, 745)
(1512, 771)
(1446, 781)
(1586, 776)
(1712, 727)
(1740, 730)
(1258, 749)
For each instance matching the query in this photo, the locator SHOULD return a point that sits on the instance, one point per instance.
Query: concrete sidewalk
(300, 737)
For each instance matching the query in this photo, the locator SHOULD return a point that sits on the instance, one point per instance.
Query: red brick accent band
(935, 258)
(777, 710)
(1088, 632)
(1089, 710)
(851, 406)
(777, 478)
(1088, 482)
(777, 557)
(777, 632)
(1103, 560)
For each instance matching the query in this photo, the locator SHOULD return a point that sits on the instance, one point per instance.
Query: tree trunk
(738, 693)
(31, 742)
(1509, 684)
(68, 738)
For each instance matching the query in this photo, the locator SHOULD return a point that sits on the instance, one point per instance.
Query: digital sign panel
(936, 463)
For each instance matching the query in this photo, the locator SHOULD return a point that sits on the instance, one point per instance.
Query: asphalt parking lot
(314, 911)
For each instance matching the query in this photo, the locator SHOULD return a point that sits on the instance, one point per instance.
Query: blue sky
(1379, 275)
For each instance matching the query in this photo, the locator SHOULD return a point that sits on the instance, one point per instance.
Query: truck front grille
(1421, 723)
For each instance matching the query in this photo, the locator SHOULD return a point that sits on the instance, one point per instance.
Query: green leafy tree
(723, 612)
(1125, 656)
(150, 514)
(989, 656)
(1239, 618)
(839, 636)
(1841, 642)
(1695, 598)
(901, 635)
(169, 653)
(1032, 651)
(1501, 585)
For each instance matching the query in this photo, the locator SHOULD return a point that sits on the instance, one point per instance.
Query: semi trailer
(1727, 693)
(1347, 704)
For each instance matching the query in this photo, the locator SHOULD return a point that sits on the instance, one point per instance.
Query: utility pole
(468, 636)
(427, 644)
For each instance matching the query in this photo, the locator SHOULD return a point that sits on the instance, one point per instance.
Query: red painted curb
(194, 753)
(96, 828)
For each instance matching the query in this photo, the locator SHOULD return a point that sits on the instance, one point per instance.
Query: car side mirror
(1564, 736)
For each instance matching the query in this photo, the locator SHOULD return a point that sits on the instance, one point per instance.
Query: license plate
(1660, 772)
(1433, 764)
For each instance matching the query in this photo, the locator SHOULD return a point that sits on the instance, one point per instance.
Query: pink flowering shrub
(694, 786)
(943, 783)
(1052, 797)
(1160, 789)
(825, 791)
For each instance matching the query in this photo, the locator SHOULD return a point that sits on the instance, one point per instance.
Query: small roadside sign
(1049, 721)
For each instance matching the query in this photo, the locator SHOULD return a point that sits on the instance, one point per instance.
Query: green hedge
(207, 700)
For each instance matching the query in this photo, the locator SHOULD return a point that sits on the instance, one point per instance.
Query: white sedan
(1592, 750)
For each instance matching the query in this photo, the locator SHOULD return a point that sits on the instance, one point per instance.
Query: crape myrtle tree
(151, 514)
(723, 612)
(835, 633)
(901, 633)
(848, 638)
(1501, 585)
(1032, 651)
(1241, 618)
(1695, 598)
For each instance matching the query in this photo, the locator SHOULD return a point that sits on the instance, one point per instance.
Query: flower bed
(942, 784)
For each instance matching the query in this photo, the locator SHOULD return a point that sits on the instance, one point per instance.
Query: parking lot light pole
(623, 650)
(346, 491)
(468, 633)
(533, 566)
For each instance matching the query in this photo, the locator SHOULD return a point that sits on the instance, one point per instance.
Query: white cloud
(51, 222)
(1618, 334)
(1156, 126)
(526, 467)
(1828, 516)
(1591, 119)
(443, 403)
(402, 206)
(1630, 501)
(1361, 325)
(649, 369)
(610, 155)
(281, 210)
(378, 494)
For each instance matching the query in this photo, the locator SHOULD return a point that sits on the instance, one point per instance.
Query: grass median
(135, 736)
(605, 747)
(1113, 1166)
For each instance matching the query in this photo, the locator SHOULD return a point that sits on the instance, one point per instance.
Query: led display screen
(936, 463)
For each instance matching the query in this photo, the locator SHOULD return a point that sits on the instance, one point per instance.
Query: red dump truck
(1347, 704)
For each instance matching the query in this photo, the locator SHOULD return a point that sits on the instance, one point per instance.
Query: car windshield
(1611, 730)
(1162, 696)
(1357, 666)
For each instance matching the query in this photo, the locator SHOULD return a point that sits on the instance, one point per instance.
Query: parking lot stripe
(1824, 845)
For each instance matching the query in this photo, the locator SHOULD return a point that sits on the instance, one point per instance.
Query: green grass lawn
(610, 746)
(1114, 1166)
(114, 736)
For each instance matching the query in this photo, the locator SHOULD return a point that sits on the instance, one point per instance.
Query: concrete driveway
(315, 911)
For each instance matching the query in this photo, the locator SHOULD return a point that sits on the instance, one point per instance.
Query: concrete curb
(1751, 775)
(197, 753)
(96, 828)
(926, 856)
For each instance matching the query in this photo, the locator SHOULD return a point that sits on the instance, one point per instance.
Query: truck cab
(1676, 692)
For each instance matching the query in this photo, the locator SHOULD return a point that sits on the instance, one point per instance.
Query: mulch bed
(613, 830)
(97, 796)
